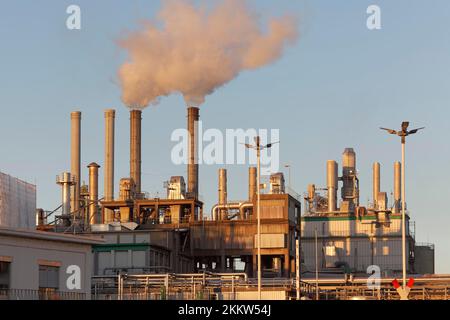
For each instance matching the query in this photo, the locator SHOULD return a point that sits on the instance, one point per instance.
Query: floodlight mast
(403, 133)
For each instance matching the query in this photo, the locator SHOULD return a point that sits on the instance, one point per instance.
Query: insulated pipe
(235, 205)
(109, 162)
(135, 148)
(252, 184)
(192, 124)
(332, 184)
(93, 193)
(376, 183)
(397, 186)
(223, 192)
(75, 158)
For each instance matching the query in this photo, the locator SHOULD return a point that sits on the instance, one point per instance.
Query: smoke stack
(109, 162)
(397, 187)
(332, 185)
(193, 117)
(376, 183)
(75, 156)
(252, 183)
(135, 148)
(223, 192)
(93, 193)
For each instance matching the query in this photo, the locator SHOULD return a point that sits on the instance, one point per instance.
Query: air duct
(93, 193)
(397, 187)
(135, 149)
(193, 117)
(109, 162)
(75, 156)
(222, 193)
(332, 184)
(376, 183)
(252, 176)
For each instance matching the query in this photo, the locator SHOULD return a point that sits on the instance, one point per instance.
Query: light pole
(258, 147)
(317, 264)
(403, 133)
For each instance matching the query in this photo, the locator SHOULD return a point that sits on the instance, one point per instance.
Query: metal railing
(28, 294)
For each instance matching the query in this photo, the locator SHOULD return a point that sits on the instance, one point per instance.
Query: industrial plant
(270, 243)
(319, 245)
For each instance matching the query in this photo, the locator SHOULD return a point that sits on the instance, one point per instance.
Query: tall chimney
(222, 192)
(109, 162)
(93, 193)
(193, 117)
(397, 187)
(75, 157)
(135, 148)
(252, 183)
(332, 184)
(376, 183)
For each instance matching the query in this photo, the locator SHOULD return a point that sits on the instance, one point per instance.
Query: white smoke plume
(194, 50)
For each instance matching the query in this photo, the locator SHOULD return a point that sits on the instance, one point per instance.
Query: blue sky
(330, 91)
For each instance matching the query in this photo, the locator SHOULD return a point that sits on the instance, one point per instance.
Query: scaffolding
(17, 203)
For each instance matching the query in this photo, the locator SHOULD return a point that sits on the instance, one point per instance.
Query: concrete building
(41, 265)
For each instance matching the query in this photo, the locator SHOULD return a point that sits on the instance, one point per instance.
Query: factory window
(385, 250)
(48, 278)
(4, 274)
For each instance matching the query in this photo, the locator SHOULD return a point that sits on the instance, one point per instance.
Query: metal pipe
(75, 158)
(376, 183)
(332, 184)
(397, 186)
(109, 162)
(231, 206)
(252, 184)
(93, 193)
(193, 117)
(223, 192)
(135, 148)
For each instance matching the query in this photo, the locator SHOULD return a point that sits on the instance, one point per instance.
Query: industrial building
(353, 237)
(36, 265)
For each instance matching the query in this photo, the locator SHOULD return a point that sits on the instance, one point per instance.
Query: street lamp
(258, 147)
(403, 133)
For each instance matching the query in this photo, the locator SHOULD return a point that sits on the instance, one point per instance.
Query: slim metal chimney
(66, 181)
(376, 183)
(332, 185)
(93, 193)
(252, 183)
(397, 187)
(75, 158)
(223, 192)
(109, 162)
(193, 117)
(135, 148)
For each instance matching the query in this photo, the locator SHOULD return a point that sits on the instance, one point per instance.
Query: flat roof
(49, 236)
